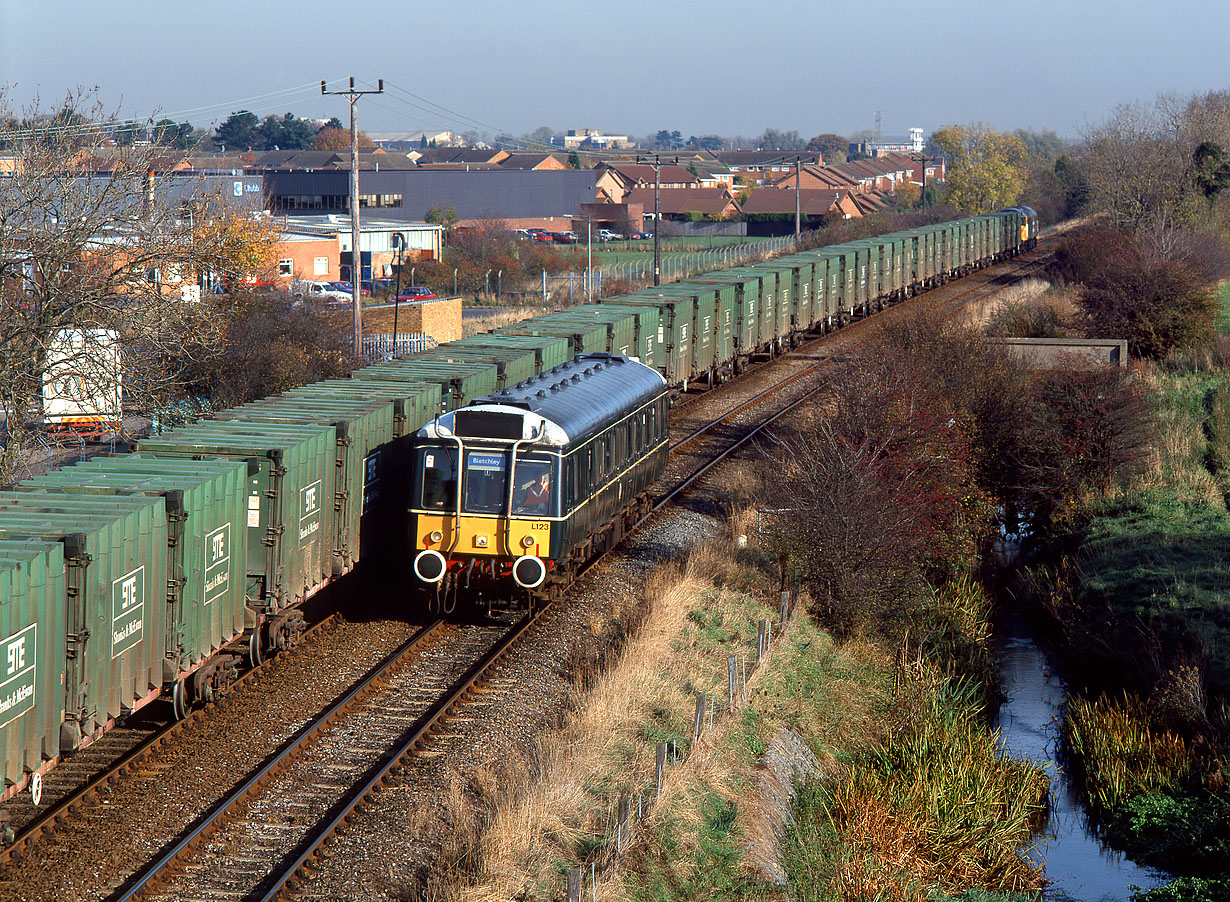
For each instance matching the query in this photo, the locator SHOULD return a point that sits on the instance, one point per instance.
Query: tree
(710, 142)
(101, 255)
(540, 137)
(1157, 305)
(832, 148)
(1045, 145)
(238, 131)
(169, 134)
(1210, 169)
(986, 169)
(775, 140)
(439, 214)
(285, 133)
(339, 139)
(881, 491)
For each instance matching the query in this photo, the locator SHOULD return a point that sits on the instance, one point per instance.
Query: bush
(270, 345)
(1152, 292)
(1158, 307)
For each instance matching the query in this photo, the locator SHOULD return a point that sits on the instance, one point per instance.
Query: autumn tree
(880, 491)
(986, 169)
(832, 148)
(329, 138)
(108, 258)
(1151, 289)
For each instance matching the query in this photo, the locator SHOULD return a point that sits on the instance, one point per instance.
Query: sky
(628, 67)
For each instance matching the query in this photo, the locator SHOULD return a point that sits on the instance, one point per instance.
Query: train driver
(538, 493)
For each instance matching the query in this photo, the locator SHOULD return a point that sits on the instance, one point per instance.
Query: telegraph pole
(798, 186)
(356, 257)
(657, 221)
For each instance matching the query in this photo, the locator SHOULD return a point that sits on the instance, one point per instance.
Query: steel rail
(289, 881)
(151, 877)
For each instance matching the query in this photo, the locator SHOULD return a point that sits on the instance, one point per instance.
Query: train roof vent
(576, 378)
(554, 387)
(540, 394)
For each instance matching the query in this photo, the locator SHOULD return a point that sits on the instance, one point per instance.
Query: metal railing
(380, 345)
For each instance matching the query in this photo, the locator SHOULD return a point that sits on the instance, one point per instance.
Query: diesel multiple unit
(501, 462)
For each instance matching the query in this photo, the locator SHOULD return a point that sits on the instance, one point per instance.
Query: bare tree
(882, 494)
(97, 244)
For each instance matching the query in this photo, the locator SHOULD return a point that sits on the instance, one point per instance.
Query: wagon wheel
(179, 700)
(255, 656)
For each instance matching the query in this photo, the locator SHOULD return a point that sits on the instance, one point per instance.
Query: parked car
(345, 286)
(318, 292)
(608, 235)
(334, 304)
(569, 237)
(416, 293)
(638, 236)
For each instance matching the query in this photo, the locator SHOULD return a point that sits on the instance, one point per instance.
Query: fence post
(785, 607)
(732, 678)
(574, 884)
(760, 640)
(661, 764)
(700, 715)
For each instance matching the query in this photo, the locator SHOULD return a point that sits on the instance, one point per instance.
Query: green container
(115, 599)
(620, 325)
(675, 315)
(205, 566)
(512, 365)
(549, 350)
(582, 338)
(841, 289)
(289, 546)
(33, 605)
(632, 326)
(411, 402)
(745, 309)
(802, 271)
(364, 516)
(460, 383)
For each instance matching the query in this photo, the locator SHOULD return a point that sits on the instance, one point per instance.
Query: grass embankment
(1143, 608)
(904, 795)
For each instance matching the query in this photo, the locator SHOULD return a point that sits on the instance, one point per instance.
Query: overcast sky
(623, 66)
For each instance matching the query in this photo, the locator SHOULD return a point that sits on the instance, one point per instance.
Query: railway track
(263, 834)
(277, 857)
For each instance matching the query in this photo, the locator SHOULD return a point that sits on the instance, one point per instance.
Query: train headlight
(529, 571)
(480, 541)
(436, 536)
(429, 566)
(527, 541)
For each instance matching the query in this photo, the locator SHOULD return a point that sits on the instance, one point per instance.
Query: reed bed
(937, 806)
(1118, 753)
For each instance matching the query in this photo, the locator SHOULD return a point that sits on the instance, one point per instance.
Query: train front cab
(482, 504)
(526, 484)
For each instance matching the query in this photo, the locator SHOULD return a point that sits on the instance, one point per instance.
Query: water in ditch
(1078, 865)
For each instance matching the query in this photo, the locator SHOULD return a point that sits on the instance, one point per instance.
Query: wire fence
(630, 275)
(622, 824)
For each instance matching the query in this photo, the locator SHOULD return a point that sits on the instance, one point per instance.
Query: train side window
(439, 490)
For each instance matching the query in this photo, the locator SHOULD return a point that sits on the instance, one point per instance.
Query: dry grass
(608, 748)
(475, 325)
